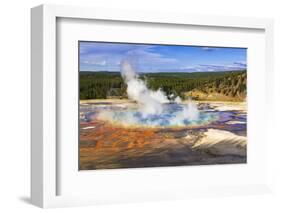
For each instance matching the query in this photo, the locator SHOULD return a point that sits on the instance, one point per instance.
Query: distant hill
(229, 88)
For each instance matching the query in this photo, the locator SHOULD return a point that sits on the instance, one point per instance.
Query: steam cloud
(151, 104)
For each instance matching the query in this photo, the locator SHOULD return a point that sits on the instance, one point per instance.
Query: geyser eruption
(150, 102)
(154, 109)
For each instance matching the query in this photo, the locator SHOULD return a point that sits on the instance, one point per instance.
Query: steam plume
(151, 102)
(154, 107)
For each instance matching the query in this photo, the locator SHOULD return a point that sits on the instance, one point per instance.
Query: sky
(106, 56)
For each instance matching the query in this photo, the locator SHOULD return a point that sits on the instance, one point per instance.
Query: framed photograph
(129, 106)
(152, 105)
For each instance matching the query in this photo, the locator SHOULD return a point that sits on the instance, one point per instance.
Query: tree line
(103, 84)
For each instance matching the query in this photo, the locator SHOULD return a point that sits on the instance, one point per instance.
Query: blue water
(168, 118)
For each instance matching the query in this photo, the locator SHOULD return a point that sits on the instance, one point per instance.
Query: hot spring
(172, 115)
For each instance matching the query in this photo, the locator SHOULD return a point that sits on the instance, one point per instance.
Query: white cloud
(101, 63)
(149, 57)
(215, 67)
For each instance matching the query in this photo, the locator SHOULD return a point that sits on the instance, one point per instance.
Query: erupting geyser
(150, 102)
(154, 109)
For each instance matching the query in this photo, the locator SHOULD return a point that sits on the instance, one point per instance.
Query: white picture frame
(44, 154)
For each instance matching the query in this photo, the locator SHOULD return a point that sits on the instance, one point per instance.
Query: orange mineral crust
(106, 146)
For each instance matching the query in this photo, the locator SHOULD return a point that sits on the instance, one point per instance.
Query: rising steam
(150, 102)
(152, 105)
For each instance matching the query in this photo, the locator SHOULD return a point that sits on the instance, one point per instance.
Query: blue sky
(99, 56)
